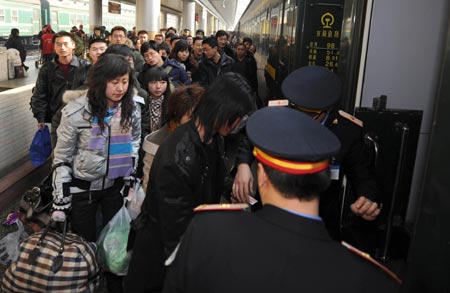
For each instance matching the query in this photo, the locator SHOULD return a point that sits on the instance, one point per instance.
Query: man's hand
(365, 208)
(243, 183)
(41, 125)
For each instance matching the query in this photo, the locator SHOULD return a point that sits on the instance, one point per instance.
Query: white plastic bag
(9, 245)
(135, 197)
(112, 244)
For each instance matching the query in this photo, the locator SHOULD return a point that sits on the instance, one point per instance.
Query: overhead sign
(114, 7)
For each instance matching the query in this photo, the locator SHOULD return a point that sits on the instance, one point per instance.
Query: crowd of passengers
(110, 113)
(170, 111)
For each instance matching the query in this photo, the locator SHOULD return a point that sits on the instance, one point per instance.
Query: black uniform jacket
(181, 178)
(353, 162)
(270, 251)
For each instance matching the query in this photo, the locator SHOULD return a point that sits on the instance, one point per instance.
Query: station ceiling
(224, 9)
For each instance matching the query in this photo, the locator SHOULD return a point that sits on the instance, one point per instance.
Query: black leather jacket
(181, 178)
(208, 71)
(51, 85)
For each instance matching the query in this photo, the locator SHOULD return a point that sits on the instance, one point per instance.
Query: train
(29, 16)
(393, 58)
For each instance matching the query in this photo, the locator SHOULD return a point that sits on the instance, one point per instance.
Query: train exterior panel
(26, 16)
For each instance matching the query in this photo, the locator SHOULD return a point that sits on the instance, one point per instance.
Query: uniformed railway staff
(316, 91)
(284, 247)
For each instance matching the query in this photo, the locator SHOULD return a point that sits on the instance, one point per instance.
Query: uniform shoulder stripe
(222, 207)
(351, 118)
(366, 256)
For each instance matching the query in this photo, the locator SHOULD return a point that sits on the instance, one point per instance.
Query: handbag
(50, 261)
(41, 147)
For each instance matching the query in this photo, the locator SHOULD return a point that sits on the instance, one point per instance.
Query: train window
(2, 15)
(14, 16)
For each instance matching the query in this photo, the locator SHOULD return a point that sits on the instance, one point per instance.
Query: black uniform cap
(312, 88)
(291, 135)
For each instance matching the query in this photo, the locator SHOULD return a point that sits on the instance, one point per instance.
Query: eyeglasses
(118, 37)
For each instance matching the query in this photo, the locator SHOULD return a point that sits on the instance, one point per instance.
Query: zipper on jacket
(107, 157)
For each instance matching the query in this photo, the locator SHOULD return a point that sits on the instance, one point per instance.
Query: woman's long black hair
(228, 98)
(108, 68)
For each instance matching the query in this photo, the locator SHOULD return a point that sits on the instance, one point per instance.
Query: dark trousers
(83, 219)
(84, 209)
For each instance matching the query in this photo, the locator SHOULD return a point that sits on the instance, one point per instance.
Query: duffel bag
(50, 261)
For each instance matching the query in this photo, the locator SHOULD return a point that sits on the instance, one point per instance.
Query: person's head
(174, 40)
(190, 40)
(74, 29)
(97, 47)
(200, 33)
(64, 43)
(171, 30)
(185, 32)
(210, 48)
(110, 83)
(97, 31)
(158, 39)
(14, 32)
(156, 80)
(180, 52)
(182, 103)
(197, 47)
(226, 101)
(247, 42)
(118, 35)
(252, 49)
(293, 154)
(80, 27)
(240, 51)
(164, 50)
(168, 39)
(143, 36)
(313, 90)
(122, 50)
(150, 51)
(222, 38)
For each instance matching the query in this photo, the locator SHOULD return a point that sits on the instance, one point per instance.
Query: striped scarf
(120, 159)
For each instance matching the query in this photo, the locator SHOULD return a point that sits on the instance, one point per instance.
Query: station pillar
(95, 15)
(148, 16)
(204, 22)
(188, 15)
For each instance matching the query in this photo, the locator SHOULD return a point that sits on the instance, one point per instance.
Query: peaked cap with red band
(290, 141)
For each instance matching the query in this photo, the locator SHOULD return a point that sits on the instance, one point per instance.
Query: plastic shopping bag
(112, 244)
(9, 245)
(135, 197)
(41, 147)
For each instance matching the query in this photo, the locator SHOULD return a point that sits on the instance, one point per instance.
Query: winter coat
(14, 42)
(208, 71)
(181, 178)
(177, 74)
(51, 85)
(72, 159)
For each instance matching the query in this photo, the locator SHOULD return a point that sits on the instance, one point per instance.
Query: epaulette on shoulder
(351, 118)
(278, 103)
(367, 257)
(222, 207)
